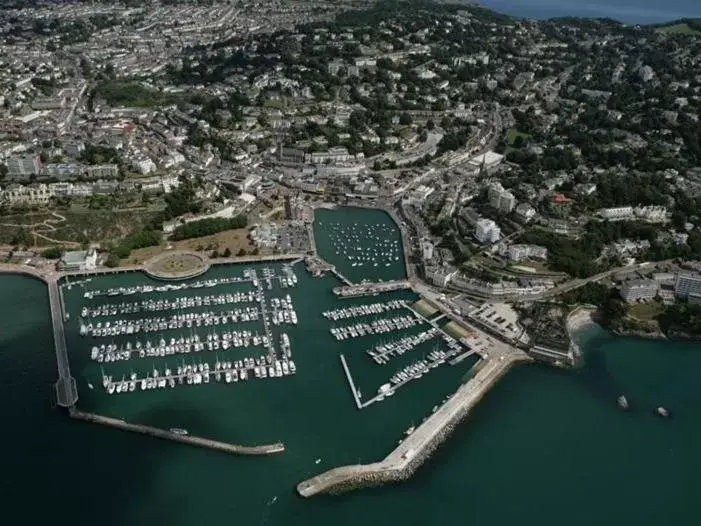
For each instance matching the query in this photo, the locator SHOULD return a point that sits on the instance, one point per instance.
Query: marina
(189, 325)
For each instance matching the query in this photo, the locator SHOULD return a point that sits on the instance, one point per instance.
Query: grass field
(679, 29)
(512, 134)
(647, 311)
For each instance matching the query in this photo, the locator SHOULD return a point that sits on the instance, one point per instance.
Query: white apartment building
(618, 213)
(501, 199)
(639, 290)
(487, 231)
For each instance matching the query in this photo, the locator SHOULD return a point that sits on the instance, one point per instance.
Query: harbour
(537, 418)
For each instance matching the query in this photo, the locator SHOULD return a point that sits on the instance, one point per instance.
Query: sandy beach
(580, 318)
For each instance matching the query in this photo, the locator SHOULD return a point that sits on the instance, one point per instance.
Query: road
(577, 283)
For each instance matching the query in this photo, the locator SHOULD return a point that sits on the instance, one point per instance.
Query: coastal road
(577, 283)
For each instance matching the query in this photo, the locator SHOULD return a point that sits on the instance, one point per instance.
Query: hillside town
(520, 157)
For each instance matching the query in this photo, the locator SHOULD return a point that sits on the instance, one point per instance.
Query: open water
(545, 446)
(628, 11)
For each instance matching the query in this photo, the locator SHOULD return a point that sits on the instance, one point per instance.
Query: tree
(405, 119)
(241, 252)
(52, 253)
(112, 260)
(227, 253)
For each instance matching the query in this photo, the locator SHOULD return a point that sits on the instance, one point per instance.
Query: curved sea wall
(22, 271)
(267, 449)
(401, 463)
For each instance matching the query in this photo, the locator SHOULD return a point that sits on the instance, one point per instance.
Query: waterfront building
(639, 290)
(440, 276)
(487, 231)
(78, 260)
(688, 286)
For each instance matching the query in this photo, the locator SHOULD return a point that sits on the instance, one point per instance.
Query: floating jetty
(270, 449)
(378, 326)
(401, 463)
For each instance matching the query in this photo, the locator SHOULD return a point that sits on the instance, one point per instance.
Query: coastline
(581, 318)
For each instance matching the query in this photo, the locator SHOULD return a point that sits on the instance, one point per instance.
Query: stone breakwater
(401, 463)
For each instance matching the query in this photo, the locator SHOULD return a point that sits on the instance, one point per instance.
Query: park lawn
(234, 240)
(647, 311)
(684, 29)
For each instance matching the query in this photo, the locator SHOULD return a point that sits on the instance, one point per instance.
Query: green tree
(52, 253)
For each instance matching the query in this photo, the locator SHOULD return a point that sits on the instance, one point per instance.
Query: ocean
(546, 446)
(627, 11)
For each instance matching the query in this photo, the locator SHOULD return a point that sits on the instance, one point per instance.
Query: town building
(522, 252)
(525, 212)
(21, 167)
(102, 171)
(618, 213)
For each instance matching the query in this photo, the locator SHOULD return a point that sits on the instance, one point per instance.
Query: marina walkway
(399, 464)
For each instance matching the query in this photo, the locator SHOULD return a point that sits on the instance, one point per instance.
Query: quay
(269, 449)
(367, 289)
(401, 463)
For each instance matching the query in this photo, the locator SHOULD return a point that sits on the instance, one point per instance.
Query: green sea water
(545, 446)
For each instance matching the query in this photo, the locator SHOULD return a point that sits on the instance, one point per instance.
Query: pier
(410, 454)
(270, 449)
(367, 289)
(66, 390)
(354, 389)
